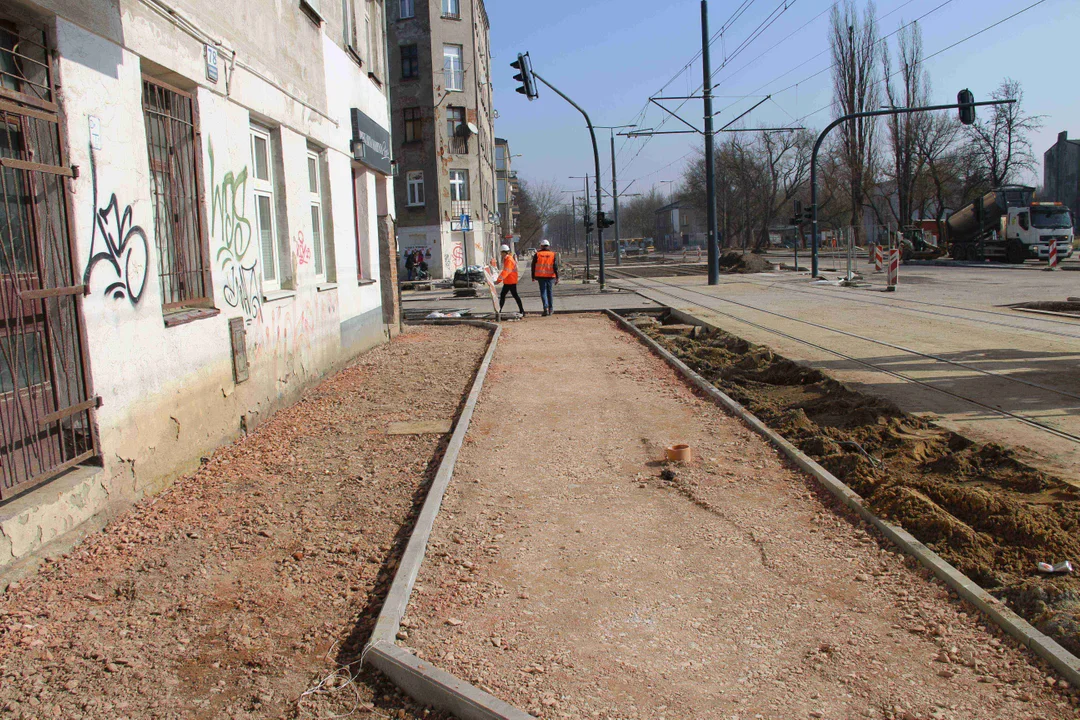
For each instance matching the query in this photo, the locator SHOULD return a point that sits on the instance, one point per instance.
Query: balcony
(459, 145)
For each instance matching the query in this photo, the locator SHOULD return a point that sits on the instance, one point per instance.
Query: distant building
(1061, 174)
(443, 130)
(506, 180)
(678, 225)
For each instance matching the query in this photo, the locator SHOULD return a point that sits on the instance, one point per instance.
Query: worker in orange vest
(509, 278)
(545, 270)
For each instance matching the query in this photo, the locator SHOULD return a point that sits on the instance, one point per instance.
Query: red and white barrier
(1053, 255)
(879, 260)
(894, 269)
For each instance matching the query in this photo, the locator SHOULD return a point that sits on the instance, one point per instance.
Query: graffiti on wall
(288, 333)
(118, 243)
(303, 250)
(228, 206)
(459, 256)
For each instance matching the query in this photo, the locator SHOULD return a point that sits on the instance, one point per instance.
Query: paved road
(572, 580)
(943, 344)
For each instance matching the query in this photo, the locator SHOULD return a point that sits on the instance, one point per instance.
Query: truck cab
(1028, 231)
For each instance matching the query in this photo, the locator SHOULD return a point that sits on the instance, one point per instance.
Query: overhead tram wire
(764, 25)
(947, 47)
(719, 33)
(824, 51)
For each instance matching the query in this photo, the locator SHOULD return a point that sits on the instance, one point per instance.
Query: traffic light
(797, 218)
(588, 225)
(602, 220)
(525, 76)
(966, 100)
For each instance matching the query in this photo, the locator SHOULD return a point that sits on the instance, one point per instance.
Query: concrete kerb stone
(1067, 664)
(420, 680)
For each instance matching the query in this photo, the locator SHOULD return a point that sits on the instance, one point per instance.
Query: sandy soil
(573, 579)
(986, 512)
(249, 584)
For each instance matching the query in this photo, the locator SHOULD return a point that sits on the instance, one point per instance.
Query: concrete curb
(1042, 645)
(420, 680)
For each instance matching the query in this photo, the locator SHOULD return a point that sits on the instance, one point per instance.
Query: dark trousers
(512, 290)
(545, 292)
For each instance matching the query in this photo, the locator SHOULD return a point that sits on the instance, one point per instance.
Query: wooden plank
(16, 109)
(67, 412)
(52, 292)
(36, 167)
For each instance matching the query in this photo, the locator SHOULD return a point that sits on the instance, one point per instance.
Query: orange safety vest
(509, 274)
(545, 264)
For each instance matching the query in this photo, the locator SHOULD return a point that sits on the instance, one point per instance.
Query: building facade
(1061, 174)
(506, 187)
(678, 225)
(198, 225)
(444, 136)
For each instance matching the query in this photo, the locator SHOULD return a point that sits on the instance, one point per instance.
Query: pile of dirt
(744, 263)
(248, 589)
(1069, 307)
(976, 505)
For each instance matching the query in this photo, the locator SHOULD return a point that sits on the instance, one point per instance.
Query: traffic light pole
(596, 161)
(585, 227)
(615, 200)
(855, 116)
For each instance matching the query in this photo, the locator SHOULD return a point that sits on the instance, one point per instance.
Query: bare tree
(1003, 141)
(855, 89)
(784, 158)
(637, 218)
(906, 85)
(538, 203)
(944, 167)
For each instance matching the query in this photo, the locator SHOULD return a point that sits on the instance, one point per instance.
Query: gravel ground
(571, 576)
(255, 580)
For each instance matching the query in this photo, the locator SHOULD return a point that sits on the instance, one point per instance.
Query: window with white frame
(451, 8)
(408, 9)
(414, 184)
(263, 187)
(372, 22)
(459, 185)
(453, 67)
(320, 256)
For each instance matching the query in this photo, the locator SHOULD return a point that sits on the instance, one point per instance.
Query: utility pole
(710, 159)
(585, 227)
(615, 200)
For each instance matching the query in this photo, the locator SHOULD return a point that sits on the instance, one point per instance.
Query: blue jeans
(545, 292)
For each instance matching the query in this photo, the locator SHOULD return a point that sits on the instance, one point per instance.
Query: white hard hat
(505, 248)
(544, 243)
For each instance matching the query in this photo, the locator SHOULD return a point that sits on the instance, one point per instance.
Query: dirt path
(244, 586)
(571, 579)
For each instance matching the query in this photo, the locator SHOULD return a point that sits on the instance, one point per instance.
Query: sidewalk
(237, 591)
(570, 577)
(568, 295)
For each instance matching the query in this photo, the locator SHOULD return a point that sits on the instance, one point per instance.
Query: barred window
(172, 141)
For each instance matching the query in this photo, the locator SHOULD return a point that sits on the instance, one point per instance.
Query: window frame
(411, 62)
(317, 209)
(348, 29)
(463, 184)
(414, 179)
(265, 188)
(449, 72)
(201, 241)
(451, 9)
(413, 127)
(404, 14)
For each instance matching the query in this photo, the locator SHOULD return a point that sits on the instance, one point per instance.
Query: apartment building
(443, 127)
(198, 224)
(507, 185)
(1061, 174)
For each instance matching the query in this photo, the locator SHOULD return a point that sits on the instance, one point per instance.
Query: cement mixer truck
(1006, 224)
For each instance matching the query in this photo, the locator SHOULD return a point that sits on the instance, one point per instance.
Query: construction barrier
(879, 261)
(1053, 255)
(894, 269)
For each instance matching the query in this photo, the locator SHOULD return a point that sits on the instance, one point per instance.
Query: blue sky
(611, 55)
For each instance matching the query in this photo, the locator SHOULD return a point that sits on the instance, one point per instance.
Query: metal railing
(459, 145)
(46, 403)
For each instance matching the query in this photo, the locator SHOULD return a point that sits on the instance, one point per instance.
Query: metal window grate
(46, 403)
(172, 139)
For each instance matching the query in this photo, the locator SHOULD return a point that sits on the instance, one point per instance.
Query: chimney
(1063, 136)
